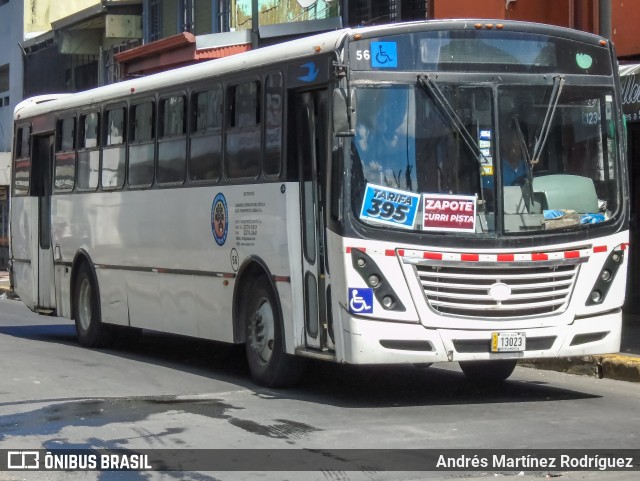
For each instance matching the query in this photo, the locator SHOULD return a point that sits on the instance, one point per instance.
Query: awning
(181, 49)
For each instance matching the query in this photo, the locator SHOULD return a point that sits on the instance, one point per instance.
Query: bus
(435, 191)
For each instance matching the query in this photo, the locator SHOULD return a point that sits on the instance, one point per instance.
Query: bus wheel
(488, 372)
(269, 364)
(89, 327)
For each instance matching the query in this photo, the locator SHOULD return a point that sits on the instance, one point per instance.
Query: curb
(621, 367)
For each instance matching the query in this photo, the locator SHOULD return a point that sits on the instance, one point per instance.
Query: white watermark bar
(517, 460)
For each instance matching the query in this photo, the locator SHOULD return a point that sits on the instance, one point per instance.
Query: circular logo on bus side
(219, 219)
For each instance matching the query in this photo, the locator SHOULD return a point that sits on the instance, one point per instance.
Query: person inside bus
(513, 165)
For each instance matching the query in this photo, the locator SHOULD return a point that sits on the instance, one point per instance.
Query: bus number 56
(363, 54)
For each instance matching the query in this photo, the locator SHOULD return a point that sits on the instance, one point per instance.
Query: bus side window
(142, 144)
(172, 140)
(113, 152)
(88, 152)
(205, 162)
(65, 158)
(243, 134)
(22, 162)
(274, 101)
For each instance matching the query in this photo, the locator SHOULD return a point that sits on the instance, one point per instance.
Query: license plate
(508, 341)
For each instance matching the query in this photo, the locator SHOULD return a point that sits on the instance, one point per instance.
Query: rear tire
(488, 372)
(269, 364)
(86, 311)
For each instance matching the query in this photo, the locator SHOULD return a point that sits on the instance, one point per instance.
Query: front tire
(488, 372)
(86, 311)
(269, 364)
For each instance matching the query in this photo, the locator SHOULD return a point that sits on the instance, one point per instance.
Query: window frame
(162, 138)
(61, 152)
(107, 108)
(206, 132)
(19, 157)
(153, 141)
(82, 148)
(230, 117)
(265, 125)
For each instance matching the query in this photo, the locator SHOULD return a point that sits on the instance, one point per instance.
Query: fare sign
(449, 212)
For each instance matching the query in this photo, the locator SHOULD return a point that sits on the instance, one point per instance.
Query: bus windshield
(441, 157)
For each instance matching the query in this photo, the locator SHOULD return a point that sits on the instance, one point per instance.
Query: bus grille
(465, 290)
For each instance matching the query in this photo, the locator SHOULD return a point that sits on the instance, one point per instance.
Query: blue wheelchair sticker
(384, 54)
(384, 205)
(360, 300)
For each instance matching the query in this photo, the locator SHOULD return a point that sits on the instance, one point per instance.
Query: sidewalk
(624, 366)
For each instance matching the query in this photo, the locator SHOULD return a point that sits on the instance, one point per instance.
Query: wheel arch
(252, 268)
(82, 257)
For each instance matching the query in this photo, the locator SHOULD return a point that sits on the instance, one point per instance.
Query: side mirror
(341, 117)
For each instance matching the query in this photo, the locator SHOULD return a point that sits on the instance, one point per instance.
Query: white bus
(410, 193)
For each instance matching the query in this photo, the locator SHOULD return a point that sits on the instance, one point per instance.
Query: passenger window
(65, 157)
(88, 152)
(142, 145)
(172, 144)
(243, 137)
(22, 162)
(273, 125)
(113, 150)
(205, 162)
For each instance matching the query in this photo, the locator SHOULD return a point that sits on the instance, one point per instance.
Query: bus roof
(300, 48)
(183, 75)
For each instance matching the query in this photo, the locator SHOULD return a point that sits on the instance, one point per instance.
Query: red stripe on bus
(537, 256)
(506, 257)
(432, 255)
(390, 253)
(401, 252)
(470, 257)
(597, 249)
(624, 246)
(361, 249)
(571, 254)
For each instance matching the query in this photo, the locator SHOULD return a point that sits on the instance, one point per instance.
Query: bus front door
(311, 130)
(42, 255)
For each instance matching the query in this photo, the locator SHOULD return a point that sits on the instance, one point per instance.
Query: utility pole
(605, 18)
(254, 23)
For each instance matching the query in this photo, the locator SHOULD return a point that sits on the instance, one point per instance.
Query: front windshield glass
(438, 158)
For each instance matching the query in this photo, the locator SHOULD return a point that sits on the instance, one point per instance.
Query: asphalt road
(166, 392)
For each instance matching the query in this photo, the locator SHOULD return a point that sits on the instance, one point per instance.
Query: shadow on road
(324, 383)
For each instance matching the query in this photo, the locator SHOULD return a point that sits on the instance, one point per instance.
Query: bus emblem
(219, 219)
(500, 291)
(312, 72)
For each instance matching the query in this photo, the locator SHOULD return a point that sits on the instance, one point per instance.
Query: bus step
(325, 355)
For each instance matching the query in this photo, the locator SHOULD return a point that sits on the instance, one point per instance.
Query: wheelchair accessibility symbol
(384, 54)
(360, 300)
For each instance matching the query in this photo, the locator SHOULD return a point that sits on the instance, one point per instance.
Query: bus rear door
(34, 235)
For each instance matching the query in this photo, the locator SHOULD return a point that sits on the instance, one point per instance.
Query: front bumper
(368, 341)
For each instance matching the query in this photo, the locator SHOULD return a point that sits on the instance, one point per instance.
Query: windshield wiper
(527, 189)
(532, 159)
(558, 83)
(430, 86)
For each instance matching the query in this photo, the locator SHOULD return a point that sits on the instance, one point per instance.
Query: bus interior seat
(514, 202)
(564, 191)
